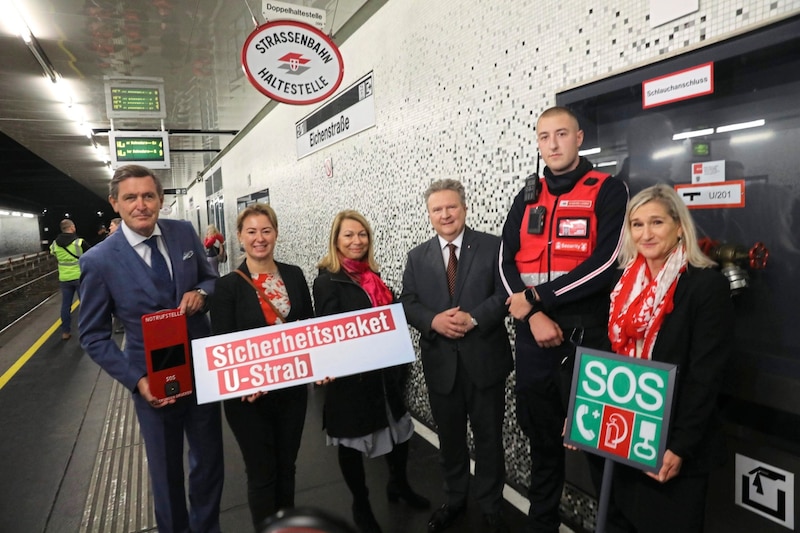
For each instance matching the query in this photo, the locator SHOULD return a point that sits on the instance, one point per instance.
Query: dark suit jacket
(115, 280)
(236, 307)
(485, 351)
(697, 336)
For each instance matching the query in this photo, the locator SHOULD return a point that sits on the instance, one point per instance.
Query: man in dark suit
(453, 295)
(121, 277)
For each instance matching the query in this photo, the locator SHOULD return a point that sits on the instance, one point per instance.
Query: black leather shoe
(444, 517)
(402, 491)
(497, 523)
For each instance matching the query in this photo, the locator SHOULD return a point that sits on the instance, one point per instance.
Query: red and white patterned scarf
(639, 304)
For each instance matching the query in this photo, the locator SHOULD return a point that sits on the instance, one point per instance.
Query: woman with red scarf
(364, 414)
(670, 305)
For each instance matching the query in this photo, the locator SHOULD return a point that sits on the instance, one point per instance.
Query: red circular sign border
(304, 26)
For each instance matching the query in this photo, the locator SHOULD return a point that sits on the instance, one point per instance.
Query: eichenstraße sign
(292, 62)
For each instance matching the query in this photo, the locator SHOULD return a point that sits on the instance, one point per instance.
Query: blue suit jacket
(115, 280)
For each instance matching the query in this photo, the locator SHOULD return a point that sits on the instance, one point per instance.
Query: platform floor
(71, 458)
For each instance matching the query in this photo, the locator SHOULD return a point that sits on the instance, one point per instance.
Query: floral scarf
(379, 294)
(639, 304)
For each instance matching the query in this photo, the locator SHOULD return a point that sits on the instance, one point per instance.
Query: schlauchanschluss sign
(620, 407)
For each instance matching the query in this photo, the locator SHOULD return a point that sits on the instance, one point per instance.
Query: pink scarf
(639, 304)
(379, 294)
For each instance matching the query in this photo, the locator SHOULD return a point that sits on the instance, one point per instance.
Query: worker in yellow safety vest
(68, 248)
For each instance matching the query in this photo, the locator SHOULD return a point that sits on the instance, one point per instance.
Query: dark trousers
(542, 399)
(68, 290)
(485, 409)
(268, 432)
(163, 432)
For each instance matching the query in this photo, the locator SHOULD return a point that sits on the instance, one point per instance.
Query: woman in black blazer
(671, 306)
(267, 426)
(364, 413)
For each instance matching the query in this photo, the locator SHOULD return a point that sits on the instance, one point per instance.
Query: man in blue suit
(120, 278)
(452, 294)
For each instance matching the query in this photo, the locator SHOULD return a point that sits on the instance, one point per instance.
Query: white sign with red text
(275, 357)
(677, 86)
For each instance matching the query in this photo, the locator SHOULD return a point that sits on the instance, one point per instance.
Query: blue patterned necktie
(157, 261)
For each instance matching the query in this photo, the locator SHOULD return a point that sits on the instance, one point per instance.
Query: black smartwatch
(536, 306)
(530, 296)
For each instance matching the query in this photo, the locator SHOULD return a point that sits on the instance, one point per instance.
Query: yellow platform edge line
(19, 363)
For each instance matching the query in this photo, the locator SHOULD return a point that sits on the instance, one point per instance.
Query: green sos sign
(620, 407)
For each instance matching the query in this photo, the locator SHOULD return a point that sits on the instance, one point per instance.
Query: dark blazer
(236, 307)
(115, 280)
(485, 351)
(697, 336)
(356, 405)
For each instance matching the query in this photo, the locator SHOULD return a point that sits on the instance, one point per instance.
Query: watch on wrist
(202, 293)
(474, 322)
(530, 296)
(536, 306)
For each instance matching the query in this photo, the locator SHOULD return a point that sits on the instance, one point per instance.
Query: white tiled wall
(458, 88)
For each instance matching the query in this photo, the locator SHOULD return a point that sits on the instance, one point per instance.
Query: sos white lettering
(622, 385)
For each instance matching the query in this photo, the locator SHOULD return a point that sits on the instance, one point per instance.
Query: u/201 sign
(620, 407)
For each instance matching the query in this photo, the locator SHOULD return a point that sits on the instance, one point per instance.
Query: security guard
(560, 243)
(68, 248)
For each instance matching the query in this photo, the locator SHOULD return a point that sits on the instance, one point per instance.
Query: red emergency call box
(166, 348)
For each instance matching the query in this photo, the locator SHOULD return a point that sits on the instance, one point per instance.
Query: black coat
(235, 305)
(356, 405)
(697, 337)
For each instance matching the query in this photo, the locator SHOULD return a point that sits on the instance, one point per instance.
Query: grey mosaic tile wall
(458, 88)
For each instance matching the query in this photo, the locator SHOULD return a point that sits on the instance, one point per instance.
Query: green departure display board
(148, 148)
(135, 99)
(131, 149)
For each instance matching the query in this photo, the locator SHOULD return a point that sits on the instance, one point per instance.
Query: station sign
(314, 16)
(292, 62)
(620, 407)
(712, 195)
(346, 114)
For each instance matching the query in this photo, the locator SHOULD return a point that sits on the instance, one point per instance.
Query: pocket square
(188, 255)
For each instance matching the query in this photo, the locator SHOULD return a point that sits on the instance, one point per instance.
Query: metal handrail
(28, 283)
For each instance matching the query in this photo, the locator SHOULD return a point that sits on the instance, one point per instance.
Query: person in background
(67, 249)
(557, 264)
(268, 426)
(364, 414)
(671, 306)
(215, 246)
(151, 265)
(112, 228)
(465, 351)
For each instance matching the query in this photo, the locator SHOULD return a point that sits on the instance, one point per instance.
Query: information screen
(150, 149)
(134, 100)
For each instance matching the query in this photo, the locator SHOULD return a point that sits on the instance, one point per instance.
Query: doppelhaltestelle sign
(292, 62)
(285, 355)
